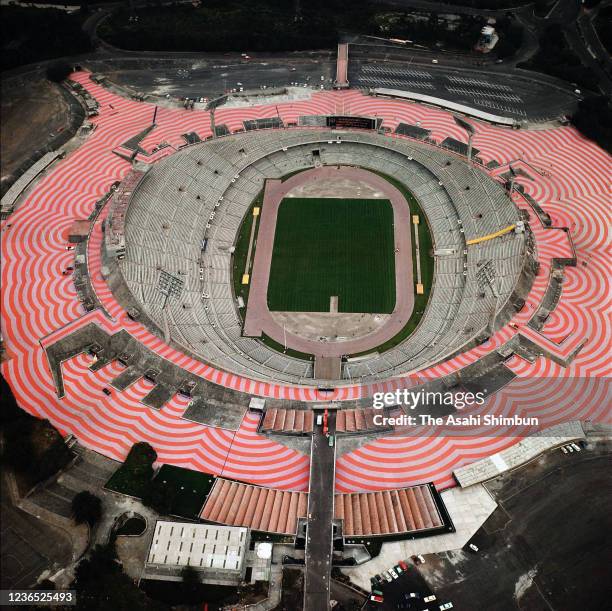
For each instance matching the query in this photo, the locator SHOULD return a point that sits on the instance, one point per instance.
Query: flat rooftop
(218, 552)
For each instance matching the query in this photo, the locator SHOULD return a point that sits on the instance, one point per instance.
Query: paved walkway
(259, 319)
(319, 530)
(468, 508)
(518, 454)
(342, 66)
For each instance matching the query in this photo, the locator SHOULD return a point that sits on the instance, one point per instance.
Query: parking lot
(545, 547)
(211, 78)
(506, 94)
(408, 592)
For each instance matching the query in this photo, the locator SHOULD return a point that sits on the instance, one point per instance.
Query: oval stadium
(344, 318)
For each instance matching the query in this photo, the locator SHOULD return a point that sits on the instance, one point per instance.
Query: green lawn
(333, 246)
(427, 269)
(186, 489)
(181, 491)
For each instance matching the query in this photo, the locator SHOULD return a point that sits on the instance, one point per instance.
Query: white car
(473, 547)
(387, 576)
(393, 573)
(434, 61)
(446, 606)
(429, 599)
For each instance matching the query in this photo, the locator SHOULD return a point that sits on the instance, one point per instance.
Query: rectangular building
(216, 552)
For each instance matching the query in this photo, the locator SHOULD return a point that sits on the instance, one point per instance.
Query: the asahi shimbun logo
(414, 399)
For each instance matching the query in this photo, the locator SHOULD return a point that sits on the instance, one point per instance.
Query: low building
(217, 553)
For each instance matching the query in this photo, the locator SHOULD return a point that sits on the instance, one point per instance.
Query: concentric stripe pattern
(569, 179)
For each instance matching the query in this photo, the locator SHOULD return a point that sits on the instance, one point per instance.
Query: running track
(38, 302)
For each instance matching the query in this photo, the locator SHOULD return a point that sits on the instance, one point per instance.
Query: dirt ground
(343, 187)
(333, 327)
(32, 113)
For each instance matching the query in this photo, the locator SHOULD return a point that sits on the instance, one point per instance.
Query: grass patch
(241, 249)
(427, 268)
(333, 246)
(36, 34)
(134, 476)
(184, 490)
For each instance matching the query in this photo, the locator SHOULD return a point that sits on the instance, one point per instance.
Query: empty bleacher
(290, 421)
(356, 420)
(205, 190)
(388, 512)
(258, 508)
(458, 146)
(412, 131)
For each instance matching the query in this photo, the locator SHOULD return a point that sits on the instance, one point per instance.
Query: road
(320, 516)
(521, 94)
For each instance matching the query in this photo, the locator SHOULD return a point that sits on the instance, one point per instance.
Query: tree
(86, 508)
(189, 575)
(134, 476)
(101, 584)
(192, 586)
(58, 71)
(594, 119)
(32, 447)
(9, 410)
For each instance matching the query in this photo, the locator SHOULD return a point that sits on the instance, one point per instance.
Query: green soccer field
(326, 247)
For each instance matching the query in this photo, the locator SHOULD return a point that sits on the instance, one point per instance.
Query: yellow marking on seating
(245, 278)
(420, 289)
(491, 236)
(256, 211)
(415, 219)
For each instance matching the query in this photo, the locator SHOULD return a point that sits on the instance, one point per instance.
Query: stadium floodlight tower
(169, 286)
(469, 128)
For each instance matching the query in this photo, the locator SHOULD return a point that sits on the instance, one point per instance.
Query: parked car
(446, 606)
(473, 547)
(429, 599)
(398, 569)
(403, 565)
(387, 576)
(376, 599)
(393, 573)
